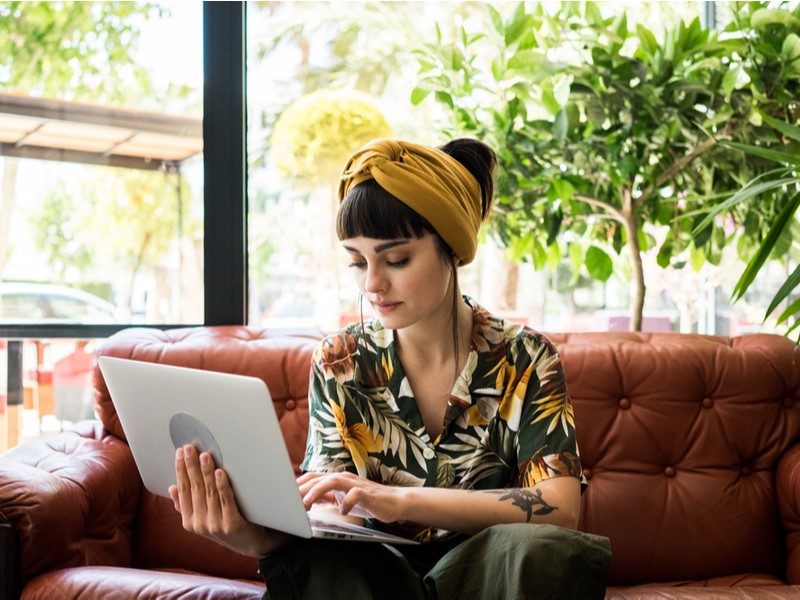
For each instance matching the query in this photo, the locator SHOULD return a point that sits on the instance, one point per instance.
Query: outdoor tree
(605, 134)
(71, 51)
(123, 218)
(314, 136)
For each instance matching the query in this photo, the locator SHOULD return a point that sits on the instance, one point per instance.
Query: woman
(436, 420)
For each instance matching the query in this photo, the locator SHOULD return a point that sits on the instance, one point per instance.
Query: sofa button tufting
(290, 404)
(788, 402)
(624, 404)
(708, 403)
(670, 471)
(587, 473)
(746, 470)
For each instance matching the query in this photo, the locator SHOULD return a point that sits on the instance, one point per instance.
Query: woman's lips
(385, 308)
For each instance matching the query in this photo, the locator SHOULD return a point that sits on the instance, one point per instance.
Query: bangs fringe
(372, 212)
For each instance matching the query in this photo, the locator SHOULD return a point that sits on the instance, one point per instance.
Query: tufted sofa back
(681, 437)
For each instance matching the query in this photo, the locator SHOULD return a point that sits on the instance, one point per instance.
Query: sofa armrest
(71, 498)
(788, 488)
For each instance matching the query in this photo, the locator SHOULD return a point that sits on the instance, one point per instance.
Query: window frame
(225, 184)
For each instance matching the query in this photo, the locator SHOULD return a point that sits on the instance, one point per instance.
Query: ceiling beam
(92, 158)
(76, 112)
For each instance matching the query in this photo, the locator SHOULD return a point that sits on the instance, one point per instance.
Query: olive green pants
(503, 562)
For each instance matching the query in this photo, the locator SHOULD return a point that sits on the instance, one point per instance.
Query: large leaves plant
(601, 129)
(774, 41)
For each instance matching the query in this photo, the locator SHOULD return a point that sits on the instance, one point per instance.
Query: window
(101, 156)
(191, 277)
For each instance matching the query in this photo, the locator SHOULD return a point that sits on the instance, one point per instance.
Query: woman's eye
(398, 263)
(357, 264)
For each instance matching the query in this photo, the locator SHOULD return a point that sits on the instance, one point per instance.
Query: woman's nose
(374, 282)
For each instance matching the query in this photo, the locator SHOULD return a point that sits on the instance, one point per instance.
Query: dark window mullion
(225, 163)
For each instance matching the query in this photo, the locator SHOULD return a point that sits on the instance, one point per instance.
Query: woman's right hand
(204, 498)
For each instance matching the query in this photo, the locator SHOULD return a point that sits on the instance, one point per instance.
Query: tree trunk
(638, 289)
(8, 198)
(138, 261)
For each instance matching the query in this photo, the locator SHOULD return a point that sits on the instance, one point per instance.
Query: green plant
(604, 133)
(773, 42)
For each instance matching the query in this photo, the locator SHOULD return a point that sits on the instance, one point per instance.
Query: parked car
(46, 303)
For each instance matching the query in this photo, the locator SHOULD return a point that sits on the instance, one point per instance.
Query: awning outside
(48, 129)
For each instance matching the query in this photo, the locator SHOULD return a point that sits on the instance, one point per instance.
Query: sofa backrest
(680, 438)
(282, 358)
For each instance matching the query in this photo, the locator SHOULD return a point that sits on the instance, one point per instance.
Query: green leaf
(593, 15)
(764, 250)
(599, 264)
(646, 240)
(777, 156)
(560, 126)
(792, 309)
(564, 189)
(697, 258)
(554, 255)
(519, 25)
(791, 49)
(701, 236)
(418, 95)
(445, 98)
(750, 190)
(549, 102)
(538, 254)
(526, 59)
(792, 131)
(561, 89)
(730, 79)
(788, 286)
(647, 40)
(494, 16)
(664, 255)
(773, 16)
(575, 253)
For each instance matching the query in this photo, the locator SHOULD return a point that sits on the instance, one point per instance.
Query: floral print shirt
(509, 422)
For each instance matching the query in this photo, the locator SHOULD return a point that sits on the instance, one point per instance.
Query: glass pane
(101, 168)
(322, 81)
(101, 189)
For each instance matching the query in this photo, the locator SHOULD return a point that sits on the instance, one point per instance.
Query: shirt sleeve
(547, 446)
(326, 451)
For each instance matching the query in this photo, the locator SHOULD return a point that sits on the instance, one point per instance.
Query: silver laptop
(162, 407)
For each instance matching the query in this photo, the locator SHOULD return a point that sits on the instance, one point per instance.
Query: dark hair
(370, 211)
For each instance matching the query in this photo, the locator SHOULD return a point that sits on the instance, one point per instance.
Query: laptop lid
(162, 407)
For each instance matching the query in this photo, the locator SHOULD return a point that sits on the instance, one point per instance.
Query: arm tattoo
(526, 500)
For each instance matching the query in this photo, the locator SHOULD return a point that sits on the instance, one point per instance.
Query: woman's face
(406, 280)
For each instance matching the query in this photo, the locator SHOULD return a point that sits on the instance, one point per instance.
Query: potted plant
(604, 131)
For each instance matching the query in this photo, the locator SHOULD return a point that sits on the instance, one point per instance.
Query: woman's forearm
(555, 501)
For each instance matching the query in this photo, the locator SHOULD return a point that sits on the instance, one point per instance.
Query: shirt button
(428, 453)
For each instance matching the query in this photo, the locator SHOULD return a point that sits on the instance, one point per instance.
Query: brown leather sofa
(690, 445)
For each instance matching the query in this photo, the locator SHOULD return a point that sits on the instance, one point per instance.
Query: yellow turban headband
(430, 182)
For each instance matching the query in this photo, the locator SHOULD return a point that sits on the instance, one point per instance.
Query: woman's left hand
(383, 502)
